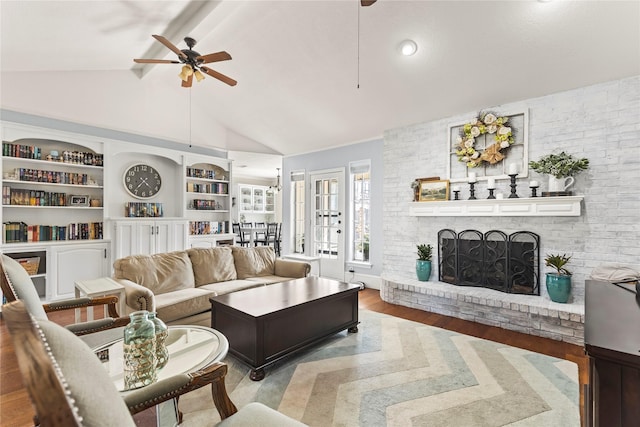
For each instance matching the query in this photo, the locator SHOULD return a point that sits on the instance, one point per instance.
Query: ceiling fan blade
(170, 46)
(188, 82)
(219, 76)
(213, 57)
(367, 2)
(155, 61)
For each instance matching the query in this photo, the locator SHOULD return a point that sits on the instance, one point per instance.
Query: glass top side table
(190, 348)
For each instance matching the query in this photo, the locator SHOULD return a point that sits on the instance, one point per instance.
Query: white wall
(600, 122)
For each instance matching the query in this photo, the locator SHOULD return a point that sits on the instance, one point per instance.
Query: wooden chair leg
(221, 399)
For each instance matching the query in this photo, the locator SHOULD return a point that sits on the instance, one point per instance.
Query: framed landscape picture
(433, 190)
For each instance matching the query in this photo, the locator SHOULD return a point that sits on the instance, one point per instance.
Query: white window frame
(298, 206)
(359, 168)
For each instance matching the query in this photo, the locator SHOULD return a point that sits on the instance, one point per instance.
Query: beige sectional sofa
(178, 285)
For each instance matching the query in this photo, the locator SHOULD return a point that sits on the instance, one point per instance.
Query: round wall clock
(142, 181)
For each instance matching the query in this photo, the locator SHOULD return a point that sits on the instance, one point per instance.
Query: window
(360, 209)
(297, 214)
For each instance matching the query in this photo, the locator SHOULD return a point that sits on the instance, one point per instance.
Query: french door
(327, 228)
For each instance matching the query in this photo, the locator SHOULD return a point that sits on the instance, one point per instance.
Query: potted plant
(561, 168)
(558, 282)
(415, 186)
(423, 263)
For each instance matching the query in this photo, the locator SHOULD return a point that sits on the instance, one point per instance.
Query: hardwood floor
(15, 407)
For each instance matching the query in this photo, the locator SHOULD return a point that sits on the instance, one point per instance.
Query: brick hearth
(533, 315)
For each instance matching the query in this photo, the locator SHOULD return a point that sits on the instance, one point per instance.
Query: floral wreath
(487, 123)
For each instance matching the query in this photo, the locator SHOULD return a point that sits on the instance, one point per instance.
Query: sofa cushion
(252, 262)
(160, 273)
(185, 302)
(268, 280)
(211, 265)
(222, 288)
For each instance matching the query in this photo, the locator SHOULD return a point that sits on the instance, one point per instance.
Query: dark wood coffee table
(268, 323)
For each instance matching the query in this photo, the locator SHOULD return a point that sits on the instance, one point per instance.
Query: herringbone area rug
(396, 372)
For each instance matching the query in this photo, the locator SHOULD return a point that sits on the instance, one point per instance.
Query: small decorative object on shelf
(415, 186)
(431, 190)
(472, 182)
(456, 192)
(534, 187)
(513, 185)
(561, 168)
(139, 351)
(162, 332)
(491, 186)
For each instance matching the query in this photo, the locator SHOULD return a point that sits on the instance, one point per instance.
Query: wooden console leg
(257, 374)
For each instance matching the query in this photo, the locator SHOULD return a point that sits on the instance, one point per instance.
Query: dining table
(252, 232)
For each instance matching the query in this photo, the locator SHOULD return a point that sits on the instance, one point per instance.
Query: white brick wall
(600, 122)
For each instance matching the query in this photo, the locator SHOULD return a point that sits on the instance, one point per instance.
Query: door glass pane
(360, 216)
(299, 216)
(326, 218)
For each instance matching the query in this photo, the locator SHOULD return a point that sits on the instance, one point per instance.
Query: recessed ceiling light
(408, 47)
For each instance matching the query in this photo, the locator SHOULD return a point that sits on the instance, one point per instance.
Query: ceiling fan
(193, 62)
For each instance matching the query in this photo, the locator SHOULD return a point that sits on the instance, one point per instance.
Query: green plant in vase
(558, 282)
(423, 263)
(561, 168)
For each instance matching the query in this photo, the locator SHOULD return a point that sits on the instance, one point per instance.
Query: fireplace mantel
(529, 206)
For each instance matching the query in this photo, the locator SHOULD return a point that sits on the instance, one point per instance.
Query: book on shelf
(202, 228)
(20, 232)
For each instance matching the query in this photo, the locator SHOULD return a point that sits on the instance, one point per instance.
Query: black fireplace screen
(495, 260)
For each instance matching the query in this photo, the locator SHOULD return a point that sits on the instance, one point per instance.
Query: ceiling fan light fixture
(408, 47)
(199, 76)
(185, 73)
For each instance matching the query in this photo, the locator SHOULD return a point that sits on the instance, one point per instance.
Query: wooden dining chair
(259, 235)
(241, 237)
(270, 236)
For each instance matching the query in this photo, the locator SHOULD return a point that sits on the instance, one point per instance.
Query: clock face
(142, 181)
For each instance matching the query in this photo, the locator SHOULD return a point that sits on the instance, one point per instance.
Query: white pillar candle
(472, 177)
(491, 184)
(456, 188)
(513, 169)
(533, 184)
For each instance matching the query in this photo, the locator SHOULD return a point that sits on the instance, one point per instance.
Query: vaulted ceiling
(311, 74)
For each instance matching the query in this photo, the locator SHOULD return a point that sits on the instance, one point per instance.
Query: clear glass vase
(161, 330)
(139, 351)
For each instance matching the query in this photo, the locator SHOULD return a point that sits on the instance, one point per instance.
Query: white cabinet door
(258, 199)
(246, 198)
(170, 236)
(146, 237)
(77, 262)
(180, 235)
(149, 237)
(126, 240)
